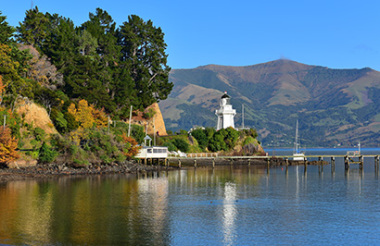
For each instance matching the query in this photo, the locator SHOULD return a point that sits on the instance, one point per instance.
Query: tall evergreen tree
(6, 31)
(143, 52)
(34, 29)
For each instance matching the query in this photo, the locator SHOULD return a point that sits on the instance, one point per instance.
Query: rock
(21, 163)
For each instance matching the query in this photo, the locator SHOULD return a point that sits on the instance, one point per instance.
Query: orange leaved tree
(131, 149)
(8, 145)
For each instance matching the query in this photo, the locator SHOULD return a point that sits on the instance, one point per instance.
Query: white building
(225, 113)
(152, 152)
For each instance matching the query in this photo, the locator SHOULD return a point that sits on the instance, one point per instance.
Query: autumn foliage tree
(8, 145)
(131, 148)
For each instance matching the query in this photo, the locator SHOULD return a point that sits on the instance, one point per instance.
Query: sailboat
(297, 154)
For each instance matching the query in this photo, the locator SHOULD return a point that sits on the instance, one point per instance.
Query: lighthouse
(225, 113)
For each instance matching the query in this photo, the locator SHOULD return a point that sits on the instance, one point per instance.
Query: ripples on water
(221, 206)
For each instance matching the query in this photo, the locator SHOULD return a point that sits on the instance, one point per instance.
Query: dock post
(179, 163)
(268, 163)
(249, 161)
(166, 162)
(361, 162)
(195, 162)
(346, 163)
(145, 161)
(305, 163)
(213, 162)
(287, 162)
(332, 164)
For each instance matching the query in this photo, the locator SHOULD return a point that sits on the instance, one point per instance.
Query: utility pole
(130, 119)
(154, 133)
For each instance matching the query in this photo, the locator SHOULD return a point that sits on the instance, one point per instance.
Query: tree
(201, 137)
(130, 149)
(87, 117)
(34, 29)
(143, 53)
(8, 145)
(13, 83)
(6, 31)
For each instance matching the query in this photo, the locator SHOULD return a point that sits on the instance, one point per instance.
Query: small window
(149, 151)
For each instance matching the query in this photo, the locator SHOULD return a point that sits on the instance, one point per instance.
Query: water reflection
(233, 205)
(229, 213)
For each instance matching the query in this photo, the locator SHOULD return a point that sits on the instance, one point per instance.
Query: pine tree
(6, 31)
(143, 53)
(34, 29)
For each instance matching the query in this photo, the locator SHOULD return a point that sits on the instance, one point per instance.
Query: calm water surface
(224, 206)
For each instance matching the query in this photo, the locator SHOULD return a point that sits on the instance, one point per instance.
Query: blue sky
(333, 33)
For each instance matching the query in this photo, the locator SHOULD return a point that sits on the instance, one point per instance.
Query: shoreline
(42, 171)
(45, 171)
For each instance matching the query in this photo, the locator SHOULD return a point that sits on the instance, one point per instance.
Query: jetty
(212, 159)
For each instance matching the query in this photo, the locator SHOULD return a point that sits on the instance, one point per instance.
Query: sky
(329, 33)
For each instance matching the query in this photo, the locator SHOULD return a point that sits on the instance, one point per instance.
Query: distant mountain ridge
(334, 106)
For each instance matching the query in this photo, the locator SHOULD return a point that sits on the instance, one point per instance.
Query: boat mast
(243, 114)
(296, 140)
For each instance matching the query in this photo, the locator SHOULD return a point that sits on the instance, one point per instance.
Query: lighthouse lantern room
(225, 113)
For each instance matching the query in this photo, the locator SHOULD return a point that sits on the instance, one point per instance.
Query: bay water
(227, 205)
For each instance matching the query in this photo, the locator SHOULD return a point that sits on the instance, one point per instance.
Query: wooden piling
(346, 163)
(179, 163)
(195, 162)
(361, 162)
(287, 162)
(213, 162)
(305, 163)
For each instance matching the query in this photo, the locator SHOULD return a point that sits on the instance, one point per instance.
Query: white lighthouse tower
(225, 113)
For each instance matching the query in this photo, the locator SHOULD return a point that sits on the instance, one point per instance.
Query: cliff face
(156, 123)
(36, 115)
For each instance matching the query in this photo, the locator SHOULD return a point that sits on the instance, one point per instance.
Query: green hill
(333, 106)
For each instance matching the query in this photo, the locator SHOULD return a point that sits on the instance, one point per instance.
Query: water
(224, 206)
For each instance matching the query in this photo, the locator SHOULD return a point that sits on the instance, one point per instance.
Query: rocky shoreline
(52, 170)
(40, 171)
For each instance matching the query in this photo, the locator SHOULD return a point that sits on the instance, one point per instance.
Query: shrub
(39, 134)
(47, 154)
(171, 146)
(201, 137)
(59, 120)
(8, 145)
(181, 144)
(148, 114)
(249, 140)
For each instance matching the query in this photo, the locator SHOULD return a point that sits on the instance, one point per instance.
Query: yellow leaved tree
(88, 117)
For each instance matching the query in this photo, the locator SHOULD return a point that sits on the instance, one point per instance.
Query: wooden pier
(269, 161)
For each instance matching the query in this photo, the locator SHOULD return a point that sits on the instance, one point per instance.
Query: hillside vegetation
(66, 91)
(334, 106)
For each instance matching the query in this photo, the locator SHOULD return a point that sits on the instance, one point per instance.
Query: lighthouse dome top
(225, 95)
